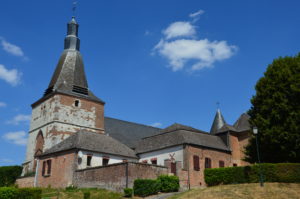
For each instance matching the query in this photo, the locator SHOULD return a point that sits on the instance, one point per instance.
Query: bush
(169, 183)
(9, 174)
(282, 172)
(128, 192)
(71, 188)
(146, 187)
(29, 193)
(24, 193)
(86, 195)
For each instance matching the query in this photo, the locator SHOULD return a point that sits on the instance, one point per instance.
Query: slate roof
(92, 142)
(242, 124)
(179, 136)
(128, 133)
(218, 122)
(69, 76)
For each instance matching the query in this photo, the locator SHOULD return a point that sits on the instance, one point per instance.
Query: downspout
(188, 165)
(126, 173)
(36, 173)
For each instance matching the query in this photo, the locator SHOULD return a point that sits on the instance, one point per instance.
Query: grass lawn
(244, 191)
(78, 194)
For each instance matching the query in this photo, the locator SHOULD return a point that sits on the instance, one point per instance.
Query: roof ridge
(132, 122)
(162, 133)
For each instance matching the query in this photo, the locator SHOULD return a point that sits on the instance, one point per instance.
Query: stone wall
(25, 182)
(116, 176)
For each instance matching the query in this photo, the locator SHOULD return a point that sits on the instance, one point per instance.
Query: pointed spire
(218, 122)
(69, 76)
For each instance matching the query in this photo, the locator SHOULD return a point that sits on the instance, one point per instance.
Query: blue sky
(152, 62)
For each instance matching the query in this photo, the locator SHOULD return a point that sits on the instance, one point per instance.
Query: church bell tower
(67, 105)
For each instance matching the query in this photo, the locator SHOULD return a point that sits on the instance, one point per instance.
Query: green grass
(244, 191)
(78, 194)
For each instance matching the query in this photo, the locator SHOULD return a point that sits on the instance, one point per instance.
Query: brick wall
(25, 182)
(62, 169)
(114, 177)
(196, 178)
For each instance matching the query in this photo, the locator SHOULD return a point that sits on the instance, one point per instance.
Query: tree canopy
(275, 112)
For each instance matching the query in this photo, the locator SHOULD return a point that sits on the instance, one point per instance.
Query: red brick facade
(61, 172)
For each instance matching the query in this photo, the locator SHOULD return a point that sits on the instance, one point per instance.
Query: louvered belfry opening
(69, 75)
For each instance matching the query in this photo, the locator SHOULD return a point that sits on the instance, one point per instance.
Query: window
(89, 160)
(105, 161)
(154, 161)
(46, 170)
(221, 163)
(207, 163)
(173, 168)
(235, 165)
(76, 103)
(145, 161)
(196, 163)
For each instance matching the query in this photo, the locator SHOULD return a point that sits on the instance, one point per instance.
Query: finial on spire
(74, 8)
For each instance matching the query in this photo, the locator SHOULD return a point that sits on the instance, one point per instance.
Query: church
(72, 143)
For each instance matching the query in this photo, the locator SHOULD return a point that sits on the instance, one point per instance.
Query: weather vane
(74, 8)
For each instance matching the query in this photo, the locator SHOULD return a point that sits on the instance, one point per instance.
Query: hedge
(169, 183)
(281, 172)
(128, 192)
(146, 187)
(9, 174)
(23, 193)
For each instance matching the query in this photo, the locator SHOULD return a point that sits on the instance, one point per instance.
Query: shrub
(128, 192)
(86, 195)
(169, 183)
(71, 188)
(282, 172)
(8, 193)
(23, 193)
(9, 174)
(146, 187)
(29, 193)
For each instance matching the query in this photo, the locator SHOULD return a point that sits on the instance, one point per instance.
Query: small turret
(218, 123)
(72, 41)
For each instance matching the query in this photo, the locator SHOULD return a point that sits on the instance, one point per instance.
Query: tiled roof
(92, 142)
(180, 136)
(128, 133)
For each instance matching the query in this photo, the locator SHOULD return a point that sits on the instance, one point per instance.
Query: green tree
(276, 112)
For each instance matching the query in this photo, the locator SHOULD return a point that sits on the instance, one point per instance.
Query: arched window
(39, 143)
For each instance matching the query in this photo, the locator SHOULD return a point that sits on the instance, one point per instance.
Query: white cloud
(2, 104)
(191, 53)
(12, 76)
(179, 29)
(147, 33)
(18, 138)
(202, 52)
(19, 118)
(11, 48)
(5, 160)
(197, 14)
(156, 124)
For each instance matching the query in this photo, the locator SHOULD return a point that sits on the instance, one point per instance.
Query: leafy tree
(276, 112)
